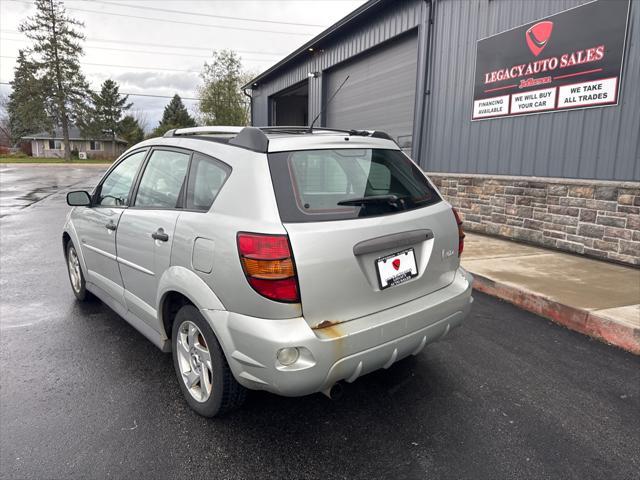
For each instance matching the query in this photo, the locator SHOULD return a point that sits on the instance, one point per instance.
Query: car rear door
(97, 225)
(146, 229)
(356, 259)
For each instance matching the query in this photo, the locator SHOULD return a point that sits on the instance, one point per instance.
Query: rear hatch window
(342, 184)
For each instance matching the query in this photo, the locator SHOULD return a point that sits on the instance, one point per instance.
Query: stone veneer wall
(600, 219)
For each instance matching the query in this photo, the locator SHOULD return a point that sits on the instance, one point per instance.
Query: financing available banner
(570, 60)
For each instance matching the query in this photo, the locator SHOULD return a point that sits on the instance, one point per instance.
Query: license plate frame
(402, 275)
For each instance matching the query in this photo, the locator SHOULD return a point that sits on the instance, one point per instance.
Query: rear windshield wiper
(393, 200)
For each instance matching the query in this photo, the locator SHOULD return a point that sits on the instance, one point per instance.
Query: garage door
(380, 92)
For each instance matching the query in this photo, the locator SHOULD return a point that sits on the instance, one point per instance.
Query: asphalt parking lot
(83, 395)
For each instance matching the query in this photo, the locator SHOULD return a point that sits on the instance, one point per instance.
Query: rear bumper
(340, 352)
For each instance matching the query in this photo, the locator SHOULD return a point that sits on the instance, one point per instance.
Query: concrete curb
(578, 320)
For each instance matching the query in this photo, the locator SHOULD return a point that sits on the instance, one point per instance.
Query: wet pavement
(83, 395)
(24, 185)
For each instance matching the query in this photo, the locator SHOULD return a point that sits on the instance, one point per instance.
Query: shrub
(100, 156)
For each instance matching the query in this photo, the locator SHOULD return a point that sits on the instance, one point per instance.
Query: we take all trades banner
(570, 60)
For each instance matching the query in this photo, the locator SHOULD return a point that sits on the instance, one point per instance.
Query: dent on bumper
(339, 352)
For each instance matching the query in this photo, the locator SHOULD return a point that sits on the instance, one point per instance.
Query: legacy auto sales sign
(572, 59)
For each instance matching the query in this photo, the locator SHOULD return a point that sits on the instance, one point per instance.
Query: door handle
(160, 235)
(111, 225)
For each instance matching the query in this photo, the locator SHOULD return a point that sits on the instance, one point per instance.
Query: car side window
(114, 190)
(206, 178)
(163, 180)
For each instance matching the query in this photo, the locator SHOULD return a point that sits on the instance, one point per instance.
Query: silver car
(282, 259)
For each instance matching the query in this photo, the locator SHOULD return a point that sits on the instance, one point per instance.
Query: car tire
(206, 381)
(76, 276)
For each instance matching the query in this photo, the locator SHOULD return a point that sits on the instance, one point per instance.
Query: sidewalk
(593, 297)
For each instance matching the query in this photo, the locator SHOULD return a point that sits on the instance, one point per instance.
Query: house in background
(51, 144)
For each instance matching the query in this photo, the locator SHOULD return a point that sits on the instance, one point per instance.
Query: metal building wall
(396, 18)
(380, 92)
(597, 143)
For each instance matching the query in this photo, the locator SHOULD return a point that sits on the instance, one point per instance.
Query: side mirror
(79, 198)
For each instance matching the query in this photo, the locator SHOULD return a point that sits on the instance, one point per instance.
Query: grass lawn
(9, 159)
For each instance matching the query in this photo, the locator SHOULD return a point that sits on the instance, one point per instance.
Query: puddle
(38, 194)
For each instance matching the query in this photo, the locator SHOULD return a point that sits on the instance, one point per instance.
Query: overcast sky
(164, 57)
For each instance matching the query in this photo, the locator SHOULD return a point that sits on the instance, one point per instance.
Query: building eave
(324, 35)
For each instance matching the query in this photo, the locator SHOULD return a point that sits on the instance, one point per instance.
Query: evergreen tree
(26, 103)
(58, 49)
(222, 101)
(110, 106)
(175, 115)
(103, 117)
(131, 130)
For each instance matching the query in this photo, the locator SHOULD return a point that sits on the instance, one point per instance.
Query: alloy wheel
(194, 360)
(74, 270)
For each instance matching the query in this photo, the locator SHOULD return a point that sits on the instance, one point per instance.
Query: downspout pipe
(244, 90)
(425, 34)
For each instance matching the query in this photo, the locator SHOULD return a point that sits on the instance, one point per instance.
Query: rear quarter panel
(245, 203)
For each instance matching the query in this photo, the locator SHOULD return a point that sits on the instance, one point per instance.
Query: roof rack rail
(353, 132)
(255, 138)
(299, 129)
(214, 130)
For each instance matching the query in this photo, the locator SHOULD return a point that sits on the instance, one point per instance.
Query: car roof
(283, 138)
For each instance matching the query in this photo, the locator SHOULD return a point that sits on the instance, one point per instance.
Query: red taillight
(280, 290)
(263, 247)
(268, 263)
(460, 232)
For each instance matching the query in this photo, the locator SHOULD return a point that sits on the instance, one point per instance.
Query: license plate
(396, 268)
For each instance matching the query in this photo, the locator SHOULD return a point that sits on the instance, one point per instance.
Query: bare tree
(142, 118)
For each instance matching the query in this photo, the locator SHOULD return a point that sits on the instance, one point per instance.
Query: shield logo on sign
(396, 263)
(538, 36)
